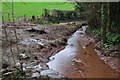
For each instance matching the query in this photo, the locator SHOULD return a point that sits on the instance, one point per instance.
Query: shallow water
(62, 61)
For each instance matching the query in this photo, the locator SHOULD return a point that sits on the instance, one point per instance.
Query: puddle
(79, 59)
(62, 61)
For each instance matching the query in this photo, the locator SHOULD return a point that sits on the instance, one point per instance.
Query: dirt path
(93, 67)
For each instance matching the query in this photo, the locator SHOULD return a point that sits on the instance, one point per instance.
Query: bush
(113, 38)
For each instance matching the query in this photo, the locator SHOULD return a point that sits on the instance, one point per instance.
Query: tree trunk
(103, 21)
(109, 18)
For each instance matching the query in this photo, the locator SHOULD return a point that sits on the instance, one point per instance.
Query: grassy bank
(33, 8)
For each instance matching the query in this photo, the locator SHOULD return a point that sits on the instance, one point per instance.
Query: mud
(80, 60)
(38, 47)
(57, 54)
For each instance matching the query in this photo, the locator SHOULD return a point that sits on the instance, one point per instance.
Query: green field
(33, 8)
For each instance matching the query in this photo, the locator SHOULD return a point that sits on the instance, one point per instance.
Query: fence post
(9, 17)
(46, 13)
(24, 17)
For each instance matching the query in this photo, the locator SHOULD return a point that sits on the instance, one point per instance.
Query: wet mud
(80, 60)
(57, 54)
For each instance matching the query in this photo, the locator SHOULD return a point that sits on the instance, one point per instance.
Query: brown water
(80, 61)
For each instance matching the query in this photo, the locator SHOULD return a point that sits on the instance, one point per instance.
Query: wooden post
(9, 17)
(46, 13)
(24, 17)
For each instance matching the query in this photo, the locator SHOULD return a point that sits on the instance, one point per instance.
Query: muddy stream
(79, 59)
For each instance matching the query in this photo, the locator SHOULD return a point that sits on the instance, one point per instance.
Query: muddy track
(64, 55)
(80, 60)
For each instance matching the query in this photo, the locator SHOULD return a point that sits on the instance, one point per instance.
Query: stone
(36, 74)
(51, 73)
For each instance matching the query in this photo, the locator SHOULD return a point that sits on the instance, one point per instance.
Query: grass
(33, 8)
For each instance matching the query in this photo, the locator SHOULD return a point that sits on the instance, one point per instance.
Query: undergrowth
(111, 38)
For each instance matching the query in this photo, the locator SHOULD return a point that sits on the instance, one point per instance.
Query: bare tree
(6, 40)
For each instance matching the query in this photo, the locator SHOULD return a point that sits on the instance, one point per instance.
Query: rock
(41, 66)
(31, 41)
(37, 68)
(52, 58)
(107, 52)
(24, 69)
(17, 64)
(51, 73)
(98, 46)
(78, 61)
(41, 47)
(73, 64)
(44, 66)
(98, 52)
(36, 74)
(24, 56)
(45, 60)
(37, 31)
(87, 45)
